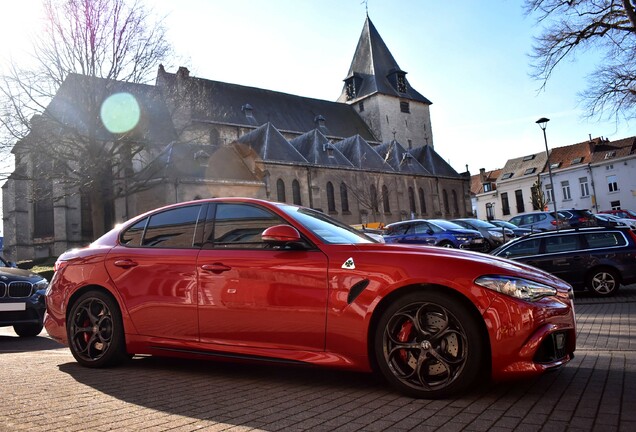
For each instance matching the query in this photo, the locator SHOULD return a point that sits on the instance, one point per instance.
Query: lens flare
(120, 113)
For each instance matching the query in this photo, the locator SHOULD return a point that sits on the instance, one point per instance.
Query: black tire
(603, 281)
(95, 331)
(446, 244)
(28, 330)
(435, 360)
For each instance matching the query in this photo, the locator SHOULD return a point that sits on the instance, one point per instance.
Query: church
(367, 157)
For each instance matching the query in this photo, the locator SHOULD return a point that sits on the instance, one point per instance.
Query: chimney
(183, 72)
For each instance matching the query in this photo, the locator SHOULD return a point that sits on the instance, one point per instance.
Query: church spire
(374, 70)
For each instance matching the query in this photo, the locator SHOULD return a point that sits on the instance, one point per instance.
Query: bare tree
(538, 199)
(573, 26)
(57, 121)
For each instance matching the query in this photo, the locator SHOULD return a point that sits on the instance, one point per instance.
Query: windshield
(482, 224)
(505, 224)
(327, 229)
(446, 224)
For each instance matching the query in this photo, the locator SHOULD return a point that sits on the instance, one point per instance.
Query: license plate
(6, 307)
(478, 241)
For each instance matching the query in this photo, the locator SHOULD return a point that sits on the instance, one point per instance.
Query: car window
(174, 228)
(522, 248)
(515, 220)
(421, 228)
(605, 239)
(325, 227)
(133, 235)
(399, 229)
(237, 225)
(562, 243)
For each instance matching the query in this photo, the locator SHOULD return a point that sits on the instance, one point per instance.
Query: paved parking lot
(43, 389)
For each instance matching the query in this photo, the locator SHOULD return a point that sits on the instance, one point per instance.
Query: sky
(470, 58)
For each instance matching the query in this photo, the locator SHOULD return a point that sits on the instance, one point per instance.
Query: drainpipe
(594, 201)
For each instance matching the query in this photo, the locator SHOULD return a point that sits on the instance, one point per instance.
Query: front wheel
(428, 345)
(603, 281)
(446, 244)
(95, 331)
(28, 330)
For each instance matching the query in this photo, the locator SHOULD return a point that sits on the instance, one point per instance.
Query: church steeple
(374, 70)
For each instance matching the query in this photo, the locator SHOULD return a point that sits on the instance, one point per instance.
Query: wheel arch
(604, 266)
(128, 325)
(452, 293)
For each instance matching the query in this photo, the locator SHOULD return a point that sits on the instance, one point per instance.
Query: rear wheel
(28, 330)
(95, 331)
(446, 244)
(428, 345)
(603, 281)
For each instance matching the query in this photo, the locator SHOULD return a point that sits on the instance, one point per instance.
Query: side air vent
(356, 289)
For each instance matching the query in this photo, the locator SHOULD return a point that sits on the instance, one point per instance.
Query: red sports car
(241, 278)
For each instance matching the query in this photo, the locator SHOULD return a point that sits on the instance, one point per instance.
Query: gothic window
(445, 201)
(296, 192)
(455, 203)
(374, 198)
(385, 199)
(42, 200)
(280, 190)
(422, 201)
(331, 200)
(412, 201)
(344, 198)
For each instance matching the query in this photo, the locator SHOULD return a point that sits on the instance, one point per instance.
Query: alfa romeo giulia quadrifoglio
(247, 279)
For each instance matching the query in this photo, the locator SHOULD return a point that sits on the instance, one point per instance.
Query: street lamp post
(543, 123)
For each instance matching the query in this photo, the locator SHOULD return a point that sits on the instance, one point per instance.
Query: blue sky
(470, 58)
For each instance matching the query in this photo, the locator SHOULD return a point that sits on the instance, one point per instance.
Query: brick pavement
(43, 389)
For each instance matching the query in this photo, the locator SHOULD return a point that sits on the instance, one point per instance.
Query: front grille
(20, 289)
(553, 348)
(3, 289)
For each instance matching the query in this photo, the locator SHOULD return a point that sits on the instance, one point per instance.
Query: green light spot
(120, 113)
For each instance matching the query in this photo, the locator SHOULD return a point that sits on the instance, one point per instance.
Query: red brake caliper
(403, 336)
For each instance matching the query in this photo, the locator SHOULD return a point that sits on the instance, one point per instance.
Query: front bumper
(28, 310)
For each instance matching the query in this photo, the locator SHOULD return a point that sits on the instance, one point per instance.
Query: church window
(422, 201)
(280, 190)
(404, 107)
(455, 203)
(401, 83)
(412, 201)
(385, 199)
(42, 200)
(445, 201)
(296, 192)
(344, 198)
(350, 88)
(331, 200)
(373, 192)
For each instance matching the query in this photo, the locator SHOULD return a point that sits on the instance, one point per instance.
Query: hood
(12, 274)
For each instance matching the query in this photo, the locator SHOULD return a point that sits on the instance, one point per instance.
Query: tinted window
(605, 239)
(525, 247)
(328, 229)
(562, 243)
(397, 229)
(132, 236)
(172, 228)
(240, 226)
(421, 228)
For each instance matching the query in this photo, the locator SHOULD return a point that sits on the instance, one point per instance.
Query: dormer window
(397, 78)
(529, 171)
(401, 82)
(506, 176)
(528, 158)
(328, 147)
(352, 86)
(577, 160)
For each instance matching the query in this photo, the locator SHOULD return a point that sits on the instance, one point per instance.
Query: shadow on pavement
(9, 343)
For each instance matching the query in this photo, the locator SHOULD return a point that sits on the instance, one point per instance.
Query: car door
(154, 269)
(562, 256)
(255, 296)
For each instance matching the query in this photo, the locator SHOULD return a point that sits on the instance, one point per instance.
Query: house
(367, 157)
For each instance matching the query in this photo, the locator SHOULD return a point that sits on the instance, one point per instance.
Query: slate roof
(433, 162)
(317, 149)
(361, 154)
(400, 160)
(606, 150)
(215, 101)
(373, 63)
(270, 144)
(69, 106)
(523, 166)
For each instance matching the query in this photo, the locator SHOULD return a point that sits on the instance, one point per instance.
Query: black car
(494, 235)
(599, 258)
(21, 300)
(579, 218)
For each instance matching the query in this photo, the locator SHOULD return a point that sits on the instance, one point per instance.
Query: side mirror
(281, 235)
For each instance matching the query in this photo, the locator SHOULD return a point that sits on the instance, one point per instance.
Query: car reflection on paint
(238, 278)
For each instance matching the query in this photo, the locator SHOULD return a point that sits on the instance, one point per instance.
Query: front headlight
(462, 239)
(41, 285)
(516, 287)
(496, 234)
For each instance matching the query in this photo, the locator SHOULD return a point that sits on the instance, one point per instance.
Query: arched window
(331, 200)
(296, 192)
(445, 200)
(422, 201)
(455, 203)
(280, 190)
(373, 194)
(385, 199)
(344, 198)
(412, 202)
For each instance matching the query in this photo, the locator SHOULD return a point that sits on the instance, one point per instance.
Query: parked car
(22, 302)
(579, 218)
(608, 220)
(246, 279)
(435, 232)
(599, 259)
(494, 235)
(515, 229)
(540, 221)
(625, 214)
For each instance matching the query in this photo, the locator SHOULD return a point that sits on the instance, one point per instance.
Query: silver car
(541, 221)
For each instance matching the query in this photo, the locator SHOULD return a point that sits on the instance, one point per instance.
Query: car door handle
(216, 268)
(125, 263)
